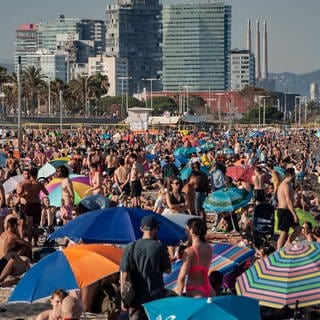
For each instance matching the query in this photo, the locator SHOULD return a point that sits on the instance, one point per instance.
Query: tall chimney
(249, 36)
(257, 66)
(264, 71)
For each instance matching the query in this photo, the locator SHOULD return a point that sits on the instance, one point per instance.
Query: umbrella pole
(233, 226)
(295, 315)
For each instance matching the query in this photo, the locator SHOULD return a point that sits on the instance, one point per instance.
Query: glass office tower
(196, 46)
(134, 31)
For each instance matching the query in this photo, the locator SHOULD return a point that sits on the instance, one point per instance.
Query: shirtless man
(21, 203)
(135, 181)
(111, 162)
(190, 192)
(12, 165)
(30, 190)
(258, 180)
(67, 193)
(11, 264)
(287, 216)
(122, 179)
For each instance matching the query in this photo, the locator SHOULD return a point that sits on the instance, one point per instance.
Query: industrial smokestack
(264, 73)
(257, 67)
(249, 36)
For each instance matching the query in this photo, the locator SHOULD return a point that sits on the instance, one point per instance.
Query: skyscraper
(134, 32)
(26, 43)
(242, 69)
(196, 45)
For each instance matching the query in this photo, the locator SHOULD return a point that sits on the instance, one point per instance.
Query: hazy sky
(293, 25)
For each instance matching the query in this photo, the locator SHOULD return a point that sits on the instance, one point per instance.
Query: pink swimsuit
(205, 288)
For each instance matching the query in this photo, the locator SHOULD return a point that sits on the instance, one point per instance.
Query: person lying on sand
(11, 264)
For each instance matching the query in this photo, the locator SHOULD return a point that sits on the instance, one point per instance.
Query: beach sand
(28, 311)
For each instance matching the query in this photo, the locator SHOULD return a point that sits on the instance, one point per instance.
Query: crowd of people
(145, 171)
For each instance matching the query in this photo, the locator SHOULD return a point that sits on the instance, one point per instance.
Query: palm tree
(3, 77)
(11, 90)
(55, 87)
(83, 89)
(3, 80)
(33, 83)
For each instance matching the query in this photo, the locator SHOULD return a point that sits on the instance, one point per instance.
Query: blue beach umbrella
(72, 268)
(150, 157)
(227, 200)
(119, 225)
(185, 151)
(182, 159)
(3, 159)
(207, 146)
(230, 307)
(256, 134)
(228, 151)
(317, 134)
(186, 172)
(280, 170)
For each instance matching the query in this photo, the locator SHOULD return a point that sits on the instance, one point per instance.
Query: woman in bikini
(196, 262)
(176, 200)
(95, 180)
(67, 194)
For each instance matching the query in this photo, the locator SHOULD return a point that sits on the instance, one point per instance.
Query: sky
(293, 45)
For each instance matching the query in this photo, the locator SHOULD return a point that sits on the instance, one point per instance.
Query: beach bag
(128, 292)
(107, 300)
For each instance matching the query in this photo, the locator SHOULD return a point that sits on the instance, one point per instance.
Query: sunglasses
(177, 182)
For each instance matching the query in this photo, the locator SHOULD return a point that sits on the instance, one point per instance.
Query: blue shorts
(199, 199)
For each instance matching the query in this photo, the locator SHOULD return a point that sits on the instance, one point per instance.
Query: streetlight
(304, 98)
(187, 98)
(86, 113)
(151, 80)
(122, 98)
(264, 109)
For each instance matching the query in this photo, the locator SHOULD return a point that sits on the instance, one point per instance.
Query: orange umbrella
(92, 262)
(74, 267)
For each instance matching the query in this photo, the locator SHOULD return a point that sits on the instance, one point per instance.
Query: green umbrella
(304, 216)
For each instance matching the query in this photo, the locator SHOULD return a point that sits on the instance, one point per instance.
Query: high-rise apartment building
(26, 42)
(53, 64)
(84, 29)
(116, 69)
(78, 38)
(134, 32)
(242, 69)
(196, 46)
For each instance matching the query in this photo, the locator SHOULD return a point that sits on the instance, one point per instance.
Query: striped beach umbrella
(288, 277)
(80, 185)
(225, 258)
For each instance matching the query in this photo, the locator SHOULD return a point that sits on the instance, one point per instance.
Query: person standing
(218, 179)
(258, 180)
(287, 217)
(196, 261)
(201, 189)
(30, 190)
(135, 181)
(151, 260)
(67, 193)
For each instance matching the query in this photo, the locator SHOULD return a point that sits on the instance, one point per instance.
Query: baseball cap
(149, 222)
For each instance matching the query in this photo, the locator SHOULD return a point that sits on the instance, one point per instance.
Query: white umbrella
(179, 218)
(12, 183)
(46, 171)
